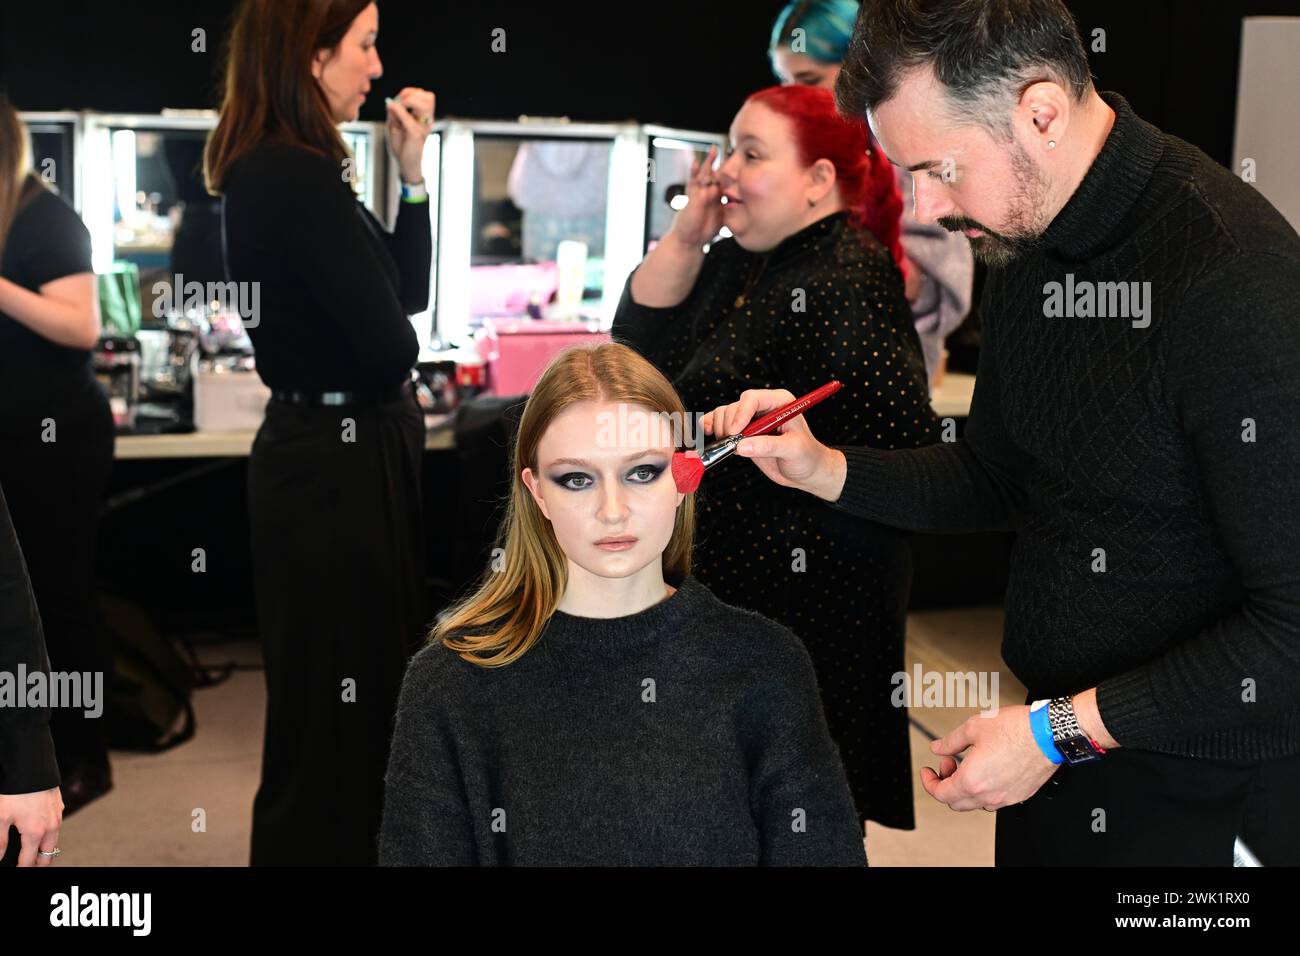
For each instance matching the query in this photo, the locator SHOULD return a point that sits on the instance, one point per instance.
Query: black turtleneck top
(1150, 463)
(336, 288)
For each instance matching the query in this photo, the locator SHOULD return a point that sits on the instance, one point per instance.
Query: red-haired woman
(807, 289)
(334, 475)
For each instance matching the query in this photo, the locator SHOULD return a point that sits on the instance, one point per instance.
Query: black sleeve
(426, 820)
(411, 246)
(799, 793)
(298, 211)
(666, 336)
(974, 484)
(27, 763)
(657, 333)
(53, 240)
(1232, 367)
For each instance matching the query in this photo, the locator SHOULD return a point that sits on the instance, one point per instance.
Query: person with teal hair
(817, 30)
(810, 39)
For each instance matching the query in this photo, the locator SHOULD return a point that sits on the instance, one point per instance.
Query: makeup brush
(689, 466)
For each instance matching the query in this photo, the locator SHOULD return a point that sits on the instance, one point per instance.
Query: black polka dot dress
(827, 303)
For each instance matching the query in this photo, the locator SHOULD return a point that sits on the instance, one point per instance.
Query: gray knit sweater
(690, 733)
(1149, 462)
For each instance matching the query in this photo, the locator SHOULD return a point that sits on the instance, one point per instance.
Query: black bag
(151, 684)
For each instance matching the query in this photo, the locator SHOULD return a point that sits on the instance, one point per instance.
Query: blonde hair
(509, 609)
(18, 185)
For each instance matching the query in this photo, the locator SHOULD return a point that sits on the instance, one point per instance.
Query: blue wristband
(1042, 730)
(415, 192)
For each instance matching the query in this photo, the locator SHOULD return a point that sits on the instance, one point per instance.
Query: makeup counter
(951, 399)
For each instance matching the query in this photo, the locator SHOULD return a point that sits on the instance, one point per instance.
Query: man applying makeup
(1131, 422)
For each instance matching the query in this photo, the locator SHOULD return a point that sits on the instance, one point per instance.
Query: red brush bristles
(687, 470)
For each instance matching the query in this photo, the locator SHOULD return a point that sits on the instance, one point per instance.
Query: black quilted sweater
(1149, 463)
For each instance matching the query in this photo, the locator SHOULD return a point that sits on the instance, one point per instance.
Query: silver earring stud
(1051, 144)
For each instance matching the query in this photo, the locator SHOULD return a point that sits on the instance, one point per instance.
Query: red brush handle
(782, 415)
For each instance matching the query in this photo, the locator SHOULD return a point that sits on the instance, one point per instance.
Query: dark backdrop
(686, 63)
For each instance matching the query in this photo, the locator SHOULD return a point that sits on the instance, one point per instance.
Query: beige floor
(958, 640)
(192, 805)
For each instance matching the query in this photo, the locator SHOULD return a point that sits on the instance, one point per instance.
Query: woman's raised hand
(702, 218)
(410, 117)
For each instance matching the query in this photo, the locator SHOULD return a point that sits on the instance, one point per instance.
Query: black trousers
(338, 569)
(55, 491)
(1140, 808)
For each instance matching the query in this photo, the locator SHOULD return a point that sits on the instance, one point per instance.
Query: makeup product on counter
(689, 466)
(571, 262)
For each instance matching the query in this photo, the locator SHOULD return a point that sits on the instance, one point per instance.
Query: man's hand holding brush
(791, 456)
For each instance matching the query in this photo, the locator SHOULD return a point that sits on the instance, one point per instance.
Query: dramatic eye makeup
(643, 473)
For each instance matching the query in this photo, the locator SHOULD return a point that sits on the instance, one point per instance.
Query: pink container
(517, 351)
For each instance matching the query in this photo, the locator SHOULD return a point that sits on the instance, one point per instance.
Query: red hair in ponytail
(863, 174)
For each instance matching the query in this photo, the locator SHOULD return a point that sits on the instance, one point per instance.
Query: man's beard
(1025, 223)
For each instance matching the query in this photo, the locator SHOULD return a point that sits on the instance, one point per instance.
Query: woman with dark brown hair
(56, 430)
(334, 475)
